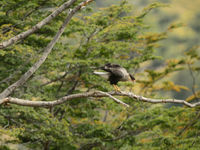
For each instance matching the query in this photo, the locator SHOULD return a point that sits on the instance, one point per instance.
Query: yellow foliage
(172, 61)
(193, 96)
(169, 85)
(98, 122)
(146, 140)
(74, 121)
(180, 127)
(18, 48)
(35, 98)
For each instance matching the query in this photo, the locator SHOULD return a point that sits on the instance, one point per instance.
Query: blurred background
(182, 12)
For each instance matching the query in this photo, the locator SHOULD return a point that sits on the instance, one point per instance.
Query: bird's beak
(132, 78)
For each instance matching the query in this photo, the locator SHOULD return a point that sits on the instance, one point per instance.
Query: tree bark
(37, 26)
(94, 94)
(46, 52)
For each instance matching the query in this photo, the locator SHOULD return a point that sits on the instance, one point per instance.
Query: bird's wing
(116, 71)
(102, 74)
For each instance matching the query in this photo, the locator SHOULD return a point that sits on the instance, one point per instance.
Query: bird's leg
(117, 89)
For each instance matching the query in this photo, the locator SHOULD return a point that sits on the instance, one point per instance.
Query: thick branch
(37, 26)
(47, 50)
(59, 101)
(111, 95)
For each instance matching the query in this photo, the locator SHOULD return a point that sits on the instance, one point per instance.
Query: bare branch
(75, 83)
(151, 100)
(56, 79)
(115, 99)
(24, 17)
(37, 26)
(59, 101)
(46, 52)
(62, 100)
(193, 82)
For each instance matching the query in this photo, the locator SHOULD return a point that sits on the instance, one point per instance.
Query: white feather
(102, 74)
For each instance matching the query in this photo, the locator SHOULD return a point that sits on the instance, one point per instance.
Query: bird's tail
(102, 74)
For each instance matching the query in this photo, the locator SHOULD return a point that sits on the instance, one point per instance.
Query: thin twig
(37, 26)
(46, 52)
(115, 99)
(193, 82)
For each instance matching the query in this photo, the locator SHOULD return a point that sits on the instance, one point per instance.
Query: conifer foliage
(83, 38)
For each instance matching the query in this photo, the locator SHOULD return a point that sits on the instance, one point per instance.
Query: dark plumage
(115, 73)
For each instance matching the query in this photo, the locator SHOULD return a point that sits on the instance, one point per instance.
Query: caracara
(115, 73)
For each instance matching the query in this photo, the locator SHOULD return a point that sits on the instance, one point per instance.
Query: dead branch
(56, 79)
(115, 99)
(23, 18)
(46, 52)
(62, 100)
(37, 26)
(151, 100)
(94, 94)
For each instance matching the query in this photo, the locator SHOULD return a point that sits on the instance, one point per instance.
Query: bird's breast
(126, 78)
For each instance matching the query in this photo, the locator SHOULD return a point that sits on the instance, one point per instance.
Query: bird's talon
(117, 89)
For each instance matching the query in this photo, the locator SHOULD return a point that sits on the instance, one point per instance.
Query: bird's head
(106, 66)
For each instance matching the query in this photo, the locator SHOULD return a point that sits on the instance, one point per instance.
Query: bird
(115, 73)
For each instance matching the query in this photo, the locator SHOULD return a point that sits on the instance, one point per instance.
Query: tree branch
(193, 82)
(62, 100)
(56, 79)
(46, 52)
(23, 18)
(37, 26)
(115, 99)
(111, 95)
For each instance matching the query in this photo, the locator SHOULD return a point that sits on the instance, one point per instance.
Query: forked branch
(46, 52)
(37, 26)
(94, 94)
